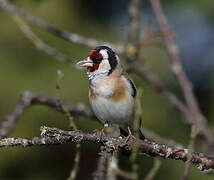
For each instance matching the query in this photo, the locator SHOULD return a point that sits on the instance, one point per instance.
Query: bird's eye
(95, 56)
(97, 60)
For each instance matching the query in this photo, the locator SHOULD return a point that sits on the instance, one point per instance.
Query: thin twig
(132, 49)
(74, 171)
(112, 166)
(154, 170)
(124, 174)
(39, 43)
(51, 136)
(152, 136)
(101, 172)
(72, 37)
(193, 134)
(132, 53)
(135, 147)
(69, 117)
(159, 86)
(177, 68)
(173, 51)
(28, 99)
(199, 122)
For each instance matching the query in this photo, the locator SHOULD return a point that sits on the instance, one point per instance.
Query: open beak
(85, 63)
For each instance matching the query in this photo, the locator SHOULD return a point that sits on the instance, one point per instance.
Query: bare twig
(132, 54)
(124, 174)
(72, 37)
(154, 170)
(69, 117)
(51, 136)
(177, 69)
(112, 166)
(173, 51)
(101, 172)
(39, 43)
(136, 125)
(152, 136)
(132, 49)
(159, 86)
(27, 99)
(199, 124)
(75, 169)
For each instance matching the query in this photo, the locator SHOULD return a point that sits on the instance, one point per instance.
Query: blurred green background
(23, 67)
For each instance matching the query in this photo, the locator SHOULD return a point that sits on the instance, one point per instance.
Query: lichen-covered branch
(54, 136)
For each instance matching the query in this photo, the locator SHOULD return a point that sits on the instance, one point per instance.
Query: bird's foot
(130, 137)
(102, 133)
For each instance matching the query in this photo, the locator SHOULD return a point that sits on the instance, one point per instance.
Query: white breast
(108, 111)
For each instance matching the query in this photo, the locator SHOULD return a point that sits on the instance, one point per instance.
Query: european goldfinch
(111, 90)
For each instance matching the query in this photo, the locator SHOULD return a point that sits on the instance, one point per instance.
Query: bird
(111, 90)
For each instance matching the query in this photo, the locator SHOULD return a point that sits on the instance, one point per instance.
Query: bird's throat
(94, 68)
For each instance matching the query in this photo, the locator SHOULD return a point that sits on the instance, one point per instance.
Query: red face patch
(96, 57)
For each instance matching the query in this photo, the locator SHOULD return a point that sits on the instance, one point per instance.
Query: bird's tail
(141, 135)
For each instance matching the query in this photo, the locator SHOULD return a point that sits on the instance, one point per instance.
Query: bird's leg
(102, 133)
(130, 136)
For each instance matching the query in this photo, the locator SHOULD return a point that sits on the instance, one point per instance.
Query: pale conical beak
(85, 63)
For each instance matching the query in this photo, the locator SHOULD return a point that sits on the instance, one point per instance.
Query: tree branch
(72, 37)
(154, 170)
(199, 124)
(39, 44)
(28, 99)
(101, 171)
(54, 136)
(153, 80)
(173, 51)
(133, 48)
(177, 68)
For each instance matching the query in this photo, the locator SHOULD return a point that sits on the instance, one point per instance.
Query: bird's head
(101, 60)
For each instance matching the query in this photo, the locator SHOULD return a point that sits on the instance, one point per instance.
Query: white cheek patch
(104, 66)
(101, 72)
(104, 53)
(118, 59)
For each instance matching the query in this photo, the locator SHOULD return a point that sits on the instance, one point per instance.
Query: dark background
(23, 67)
